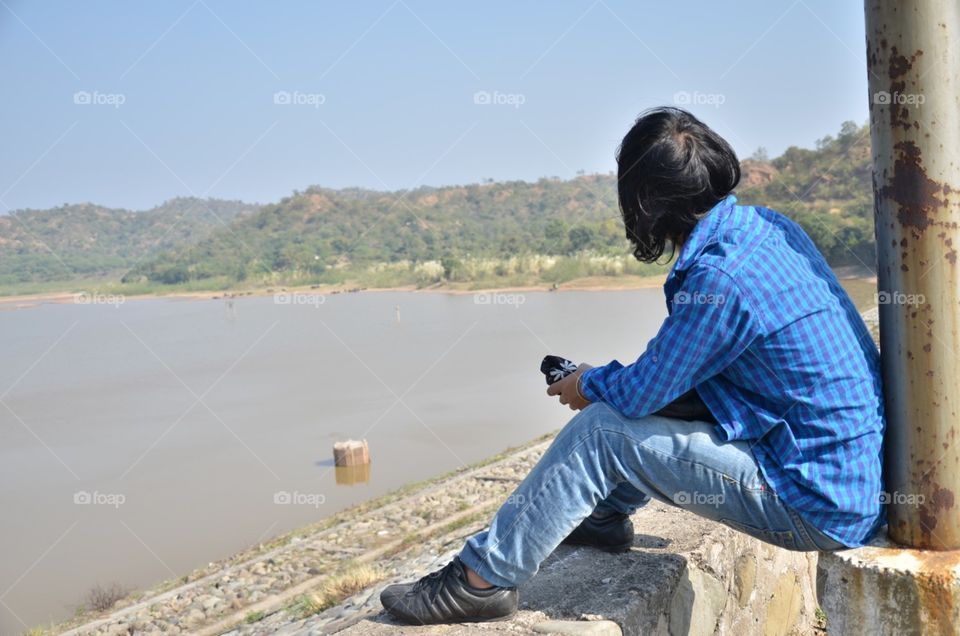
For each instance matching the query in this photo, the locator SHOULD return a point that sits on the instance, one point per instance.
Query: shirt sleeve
(710, 325)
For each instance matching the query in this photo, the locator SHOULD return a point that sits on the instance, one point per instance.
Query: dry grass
(338, 587)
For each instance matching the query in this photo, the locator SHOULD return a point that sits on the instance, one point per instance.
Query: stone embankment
(359, 545)
(685, 575)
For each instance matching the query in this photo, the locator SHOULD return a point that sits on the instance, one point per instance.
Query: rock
(195, 617)
(579, 628)
(784, 608)
(209, 602)
(697, 604)
(744, 578)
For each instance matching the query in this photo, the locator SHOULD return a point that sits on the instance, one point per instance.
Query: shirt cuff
(593, 382)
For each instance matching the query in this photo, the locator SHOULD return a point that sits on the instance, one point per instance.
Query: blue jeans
(603, 461)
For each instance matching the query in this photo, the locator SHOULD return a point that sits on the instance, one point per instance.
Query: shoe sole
(472, 619)
(494, 619)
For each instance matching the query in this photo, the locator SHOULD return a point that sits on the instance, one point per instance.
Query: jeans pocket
(814, 537)
(780, 538)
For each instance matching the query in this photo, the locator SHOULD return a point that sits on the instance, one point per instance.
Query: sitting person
(775, 355)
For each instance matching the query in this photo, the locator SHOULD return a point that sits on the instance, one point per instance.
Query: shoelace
(434, 581)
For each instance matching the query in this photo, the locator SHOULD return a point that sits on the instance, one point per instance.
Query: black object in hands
(556, 368)
(688, 406)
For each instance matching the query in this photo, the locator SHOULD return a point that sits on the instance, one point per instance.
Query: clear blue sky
(397, 81)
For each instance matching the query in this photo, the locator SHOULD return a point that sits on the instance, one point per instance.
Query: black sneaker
(445, 597)
(613, 533)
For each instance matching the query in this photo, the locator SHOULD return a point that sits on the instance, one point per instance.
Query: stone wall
(685, 575)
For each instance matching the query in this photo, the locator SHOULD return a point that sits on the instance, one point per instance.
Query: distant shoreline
(590, 283)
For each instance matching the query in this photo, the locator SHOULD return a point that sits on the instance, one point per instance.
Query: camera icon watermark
(95, 298)
(96, 498)
(496, 98)
(696, 498)
(96, 98)
(697, 298)
(297, 498)
(887, 98)
(299, 298)
(296, 98)
(696, 98)
(899, 298)
(499, 298)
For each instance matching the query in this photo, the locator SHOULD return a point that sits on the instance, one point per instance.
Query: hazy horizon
(424, 186)
(204, 98)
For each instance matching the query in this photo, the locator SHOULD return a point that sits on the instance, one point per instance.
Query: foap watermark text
(297, 498)
(97, 498)
(296, 98)
(496, 98)
(299, 298)
(96, 98)
(499, 298)
(96, 298)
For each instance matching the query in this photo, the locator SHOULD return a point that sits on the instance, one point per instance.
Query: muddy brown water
(141, 440)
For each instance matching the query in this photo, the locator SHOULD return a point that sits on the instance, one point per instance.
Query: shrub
(101, 598)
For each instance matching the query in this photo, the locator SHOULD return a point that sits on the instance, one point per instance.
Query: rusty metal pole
(913, 61)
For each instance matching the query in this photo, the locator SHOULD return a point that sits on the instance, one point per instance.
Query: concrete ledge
(684, 575)
(884, 589)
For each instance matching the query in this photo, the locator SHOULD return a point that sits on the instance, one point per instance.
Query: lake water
(140, 441)
(183, 421)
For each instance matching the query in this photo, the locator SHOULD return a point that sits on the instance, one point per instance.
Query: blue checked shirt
(760, 326)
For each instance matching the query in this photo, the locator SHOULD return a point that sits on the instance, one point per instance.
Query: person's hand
(568, 390)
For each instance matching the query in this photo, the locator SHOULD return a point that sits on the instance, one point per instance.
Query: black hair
(671, 169)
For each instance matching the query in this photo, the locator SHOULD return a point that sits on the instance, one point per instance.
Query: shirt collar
(702, 233)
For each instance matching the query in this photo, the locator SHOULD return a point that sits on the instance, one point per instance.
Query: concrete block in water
(352, 452)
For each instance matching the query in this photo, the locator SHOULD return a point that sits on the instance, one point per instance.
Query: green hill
(549, 230)
(324, 231)
(84, 241)
(827, 190)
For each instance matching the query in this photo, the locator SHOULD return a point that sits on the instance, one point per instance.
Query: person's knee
(595, 420)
